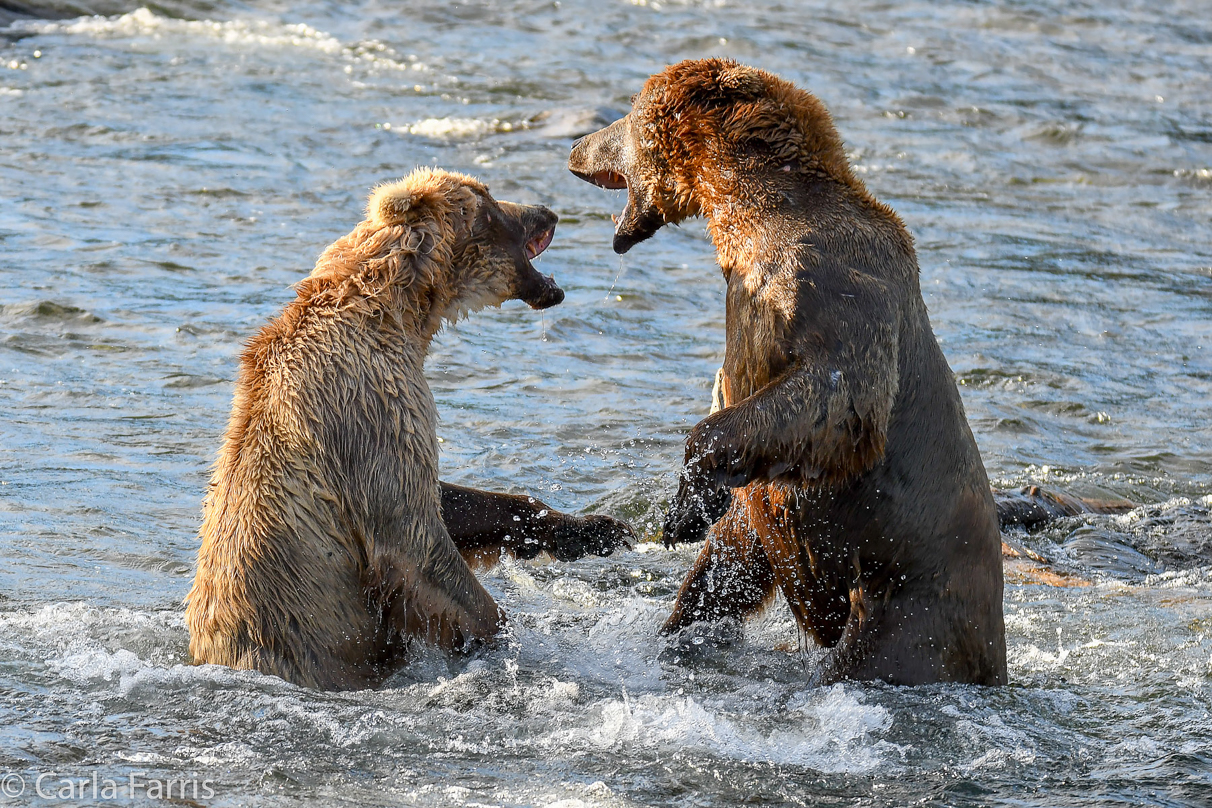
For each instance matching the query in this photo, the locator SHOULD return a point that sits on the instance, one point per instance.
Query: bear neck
(368, 273)
(747, 228)
(420, 314)
(404, 309)
(758, 220)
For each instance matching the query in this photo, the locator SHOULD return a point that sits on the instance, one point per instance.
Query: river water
(166, 175)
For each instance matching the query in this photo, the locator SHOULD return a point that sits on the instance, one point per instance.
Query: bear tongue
(539, 243)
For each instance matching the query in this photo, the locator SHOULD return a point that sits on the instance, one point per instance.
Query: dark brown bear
(328, 544)
(857, 488)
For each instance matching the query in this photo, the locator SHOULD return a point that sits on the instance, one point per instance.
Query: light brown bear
(841, 464)
(328, 543)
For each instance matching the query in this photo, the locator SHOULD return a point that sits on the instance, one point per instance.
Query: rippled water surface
(166, 175)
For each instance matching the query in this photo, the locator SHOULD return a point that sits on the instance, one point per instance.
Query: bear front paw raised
(697, 506)
(715, 458)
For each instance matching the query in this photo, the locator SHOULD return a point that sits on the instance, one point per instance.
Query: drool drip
(614, 283)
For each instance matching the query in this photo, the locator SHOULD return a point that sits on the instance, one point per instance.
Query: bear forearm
(480, 519)
(487, 522)
(804, 425)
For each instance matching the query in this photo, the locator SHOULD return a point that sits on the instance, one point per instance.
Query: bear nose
(546, 217)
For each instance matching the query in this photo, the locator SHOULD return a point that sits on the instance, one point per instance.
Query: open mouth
(542, 241)
(613, 181)
(637, 221)
(608, 179)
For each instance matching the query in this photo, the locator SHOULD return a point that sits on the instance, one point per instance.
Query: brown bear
(328, 543)
(856, 485)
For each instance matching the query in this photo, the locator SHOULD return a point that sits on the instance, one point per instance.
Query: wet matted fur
(841, 464)
(324, 548)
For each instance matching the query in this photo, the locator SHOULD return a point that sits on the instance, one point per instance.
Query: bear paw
(695, 508)
(596, 534)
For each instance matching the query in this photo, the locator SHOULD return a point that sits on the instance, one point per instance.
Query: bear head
(438, 245)
(703, 135)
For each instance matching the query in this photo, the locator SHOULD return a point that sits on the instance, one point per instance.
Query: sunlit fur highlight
(857, 489)
(713, 125)
(323, 551)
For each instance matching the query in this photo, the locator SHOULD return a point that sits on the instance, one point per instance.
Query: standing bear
(841, 468)
(328, 543)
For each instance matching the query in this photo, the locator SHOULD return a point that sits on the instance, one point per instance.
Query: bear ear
(405, 202)
(742, 83)
(712, 83)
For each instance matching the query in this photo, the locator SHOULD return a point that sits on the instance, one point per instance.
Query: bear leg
(912, 640)
(438, 601)
(730, 578)
(814, 584)
(483, 524)
(1033, 507)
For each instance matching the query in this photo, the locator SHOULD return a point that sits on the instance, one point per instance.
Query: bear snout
(541, 292)
(598, 158)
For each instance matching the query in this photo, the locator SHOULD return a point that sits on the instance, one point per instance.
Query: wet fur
(324, 551)
(857, 486)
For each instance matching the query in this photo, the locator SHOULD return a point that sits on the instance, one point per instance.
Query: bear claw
(692, 513)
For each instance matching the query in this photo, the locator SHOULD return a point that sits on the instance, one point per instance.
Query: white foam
(594, 795)
(1033, 658)
(628, 619)
(134, 675)
(1194, 173)
(227, 753)
(238, 33)
(573, 590)
(64, 622)
(143, 22)
(622, 645)
(997, 758)
(657, 5)
(93, 664)
(1144, 512)
(452, 128)
(1020, 621)
(1181, 579)
(1002, 743)
(517, 573)
(73, 639)
(832, 733)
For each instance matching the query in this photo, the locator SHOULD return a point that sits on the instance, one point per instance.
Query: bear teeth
(539, 243)
(610, 179)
